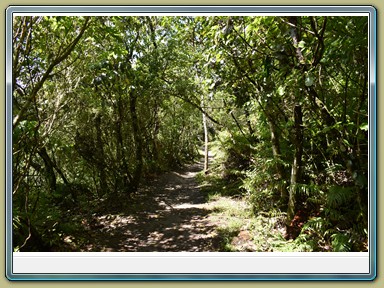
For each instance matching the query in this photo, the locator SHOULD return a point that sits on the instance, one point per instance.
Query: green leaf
(340, 242)
(309, 81)
(364, 127)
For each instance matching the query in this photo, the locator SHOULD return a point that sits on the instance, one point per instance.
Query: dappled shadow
(170, 214)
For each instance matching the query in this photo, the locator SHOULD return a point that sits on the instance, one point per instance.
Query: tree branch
(46, 75)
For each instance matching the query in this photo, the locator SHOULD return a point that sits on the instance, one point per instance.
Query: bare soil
(169, 213)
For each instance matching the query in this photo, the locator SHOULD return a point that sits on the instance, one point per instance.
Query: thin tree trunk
(296, 165)
(156, 130)
(206, 138)
(101, 164)
(49, 168)
(250, 129)
(277, 156)
(205, 143)
(121, 181)
(138, 144)
(275, 141)
(298, 137)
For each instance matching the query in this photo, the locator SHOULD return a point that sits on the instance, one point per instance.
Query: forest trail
(171, 214)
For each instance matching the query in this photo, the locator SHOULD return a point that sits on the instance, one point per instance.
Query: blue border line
(374, 144)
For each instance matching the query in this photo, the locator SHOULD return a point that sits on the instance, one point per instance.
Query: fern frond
(341, 242)
(339, 196)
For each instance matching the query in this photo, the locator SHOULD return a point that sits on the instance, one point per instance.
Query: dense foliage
(100, 104)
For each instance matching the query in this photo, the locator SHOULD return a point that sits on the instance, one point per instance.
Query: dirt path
(171, 216)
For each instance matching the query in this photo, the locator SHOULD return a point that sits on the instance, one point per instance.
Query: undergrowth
(245, 190)
(233, 213)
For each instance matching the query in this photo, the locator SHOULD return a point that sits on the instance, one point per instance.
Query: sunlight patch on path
(190, 205)
(172, 215)
(186, 175)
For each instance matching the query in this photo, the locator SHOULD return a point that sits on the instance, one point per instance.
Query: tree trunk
(205, 143)
(206, 139)
(138, 144)
(277, 155)
(156, 130)
(100, 150)
(250, 129)
(296, 171)
(123, 177)
(49, 168)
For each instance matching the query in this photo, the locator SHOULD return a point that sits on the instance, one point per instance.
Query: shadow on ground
(170, 214)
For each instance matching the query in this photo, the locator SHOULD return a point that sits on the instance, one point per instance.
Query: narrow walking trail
(171, 214)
